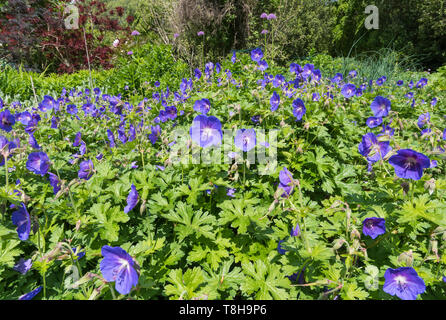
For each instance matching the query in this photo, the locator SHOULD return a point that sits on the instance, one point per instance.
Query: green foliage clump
(149, 63)
(192, 239)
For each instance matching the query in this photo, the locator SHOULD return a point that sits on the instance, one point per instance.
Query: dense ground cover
(95, 205)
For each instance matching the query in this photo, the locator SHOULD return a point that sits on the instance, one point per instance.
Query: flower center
(410, 162)
(401, 281)
(207, 132)
(6, 122)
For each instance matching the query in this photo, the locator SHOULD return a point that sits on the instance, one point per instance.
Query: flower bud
(355, 234)
(337, 244)
(430, 186)
(406, 258)
(142, 209)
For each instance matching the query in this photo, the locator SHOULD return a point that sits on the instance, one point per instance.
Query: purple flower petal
(117, 265)
(132, 199)
(373, 227)
(403, 282)
(22, 220)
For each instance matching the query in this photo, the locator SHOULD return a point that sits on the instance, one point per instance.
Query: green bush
(415, 27)
(148, 63)
(300, 27)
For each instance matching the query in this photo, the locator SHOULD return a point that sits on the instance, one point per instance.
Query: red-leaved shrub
(33, 33)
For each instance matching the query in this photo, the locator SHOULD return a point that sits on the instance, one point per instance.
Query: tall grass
(384, 62)
(371, 65)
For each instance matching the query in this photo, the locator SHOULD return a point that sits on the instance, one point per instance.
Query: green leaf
(184, 286)
(9, 251)
(350, 291)
(107, 220)
(222, 279)
(265, 280)
(241, 214)
(191, 222)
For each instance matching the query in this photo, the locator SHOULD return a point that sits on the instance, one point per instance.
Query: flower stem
(72, 259)
(202, 56)
(41, 256)
(142, 159)
(244, 174)
(412, 191)
(6, 172)
(112, 291)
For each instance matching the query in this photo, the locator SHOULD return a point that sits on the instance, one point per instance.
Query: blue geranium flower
(24, 117)
(234, 57)
(22, 220)
(54, 182)
(295, 68)
(245, 139)
(111, 138)
(197, 73)
(38, 162)
(33, 142)
(374, 227)
(274, 101)
(308, 71)
(263, 65)
(32, 294)
(7, 120)
(373, 122)
(23, 266)
(337, 78)
(206, 131)
(155, 133)
(373, 149)
(409, 164)
(278, 81)
(380, 106)
(295, 231)
(423, 119)
(203, 106)
(348, 90)
(299, 109)
(132, 199)
(403, 282)
(286, 182)
(77, 139)
(117, 266)
(86, 170)
(256, 54)
(47, 104)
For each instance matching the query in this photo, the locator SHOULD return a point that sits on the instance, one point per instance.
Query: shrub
(415, 27)
(149, 63)
(37, 35)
